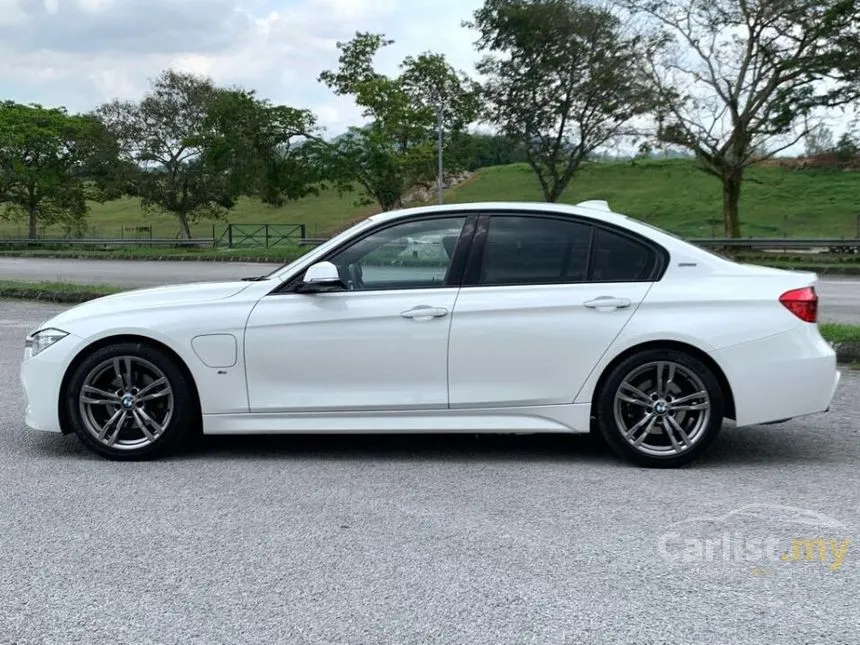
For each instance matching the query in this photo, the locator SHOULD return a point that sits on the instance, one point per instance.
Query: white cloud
(83, 52)
(11, 13)
(95, 6)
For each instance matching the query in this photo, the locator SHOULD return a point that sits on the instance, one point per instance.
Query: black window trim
(454, 277)
(477, 251)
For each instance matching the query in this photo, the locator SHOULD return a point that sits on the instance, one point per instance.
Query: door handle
(423, 311)
(607, 302)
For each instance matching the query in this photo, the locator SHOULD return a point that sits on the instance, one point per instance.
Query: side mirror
(321, 277)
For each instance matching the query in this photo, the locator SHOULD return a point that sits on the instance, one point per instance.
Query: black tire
(616, 421)
(180, 407)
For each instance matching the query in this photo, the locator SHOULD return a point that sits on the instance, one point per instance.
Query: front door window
(415, 255)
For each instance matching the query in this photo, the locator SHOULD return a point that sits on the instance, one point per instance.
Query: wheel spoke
(632, 401)
(152, 390)
(672, 421)
(636, 396)
(103, 396)
(110, 422)
(124, 379)
(690, 397)
(152, 422)
(670, 433)
(140, 424)
(704, 405)
(658, 380)
(115, 435)
(669, 379)
(642, 422)
(646, 431)
(128, 374)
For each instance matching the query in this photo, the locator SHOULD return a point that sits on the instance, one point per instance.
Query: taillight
(803, 303)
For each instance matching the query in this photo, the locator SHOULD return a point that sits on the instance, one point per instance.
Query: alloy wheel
(126, 402)
(662, 408)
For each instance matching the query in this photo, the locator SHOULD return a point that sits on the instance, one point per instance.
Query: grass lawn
(671, 194)
(320, 214)
(840, 333)
(54, 291)
(273, 254)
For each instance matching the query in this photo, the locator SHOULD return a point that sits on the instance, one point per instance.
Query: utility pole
(439, 179)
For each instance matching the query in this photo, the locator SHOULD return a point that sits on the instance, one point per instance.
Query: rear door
(542, 300)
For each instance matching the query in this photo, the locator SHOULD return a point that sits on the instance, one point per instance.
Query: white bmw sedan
(478, 318)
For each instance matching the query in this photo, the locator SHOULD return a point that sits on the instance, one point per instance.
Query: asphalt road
(840, 298)
(126, 273)
(421, 539)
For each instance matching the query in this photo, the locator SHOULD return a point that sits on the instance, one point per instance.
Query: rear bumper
(788, 375)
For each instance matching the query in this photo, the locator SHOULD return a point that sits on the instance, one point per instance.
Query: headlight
(39, 341)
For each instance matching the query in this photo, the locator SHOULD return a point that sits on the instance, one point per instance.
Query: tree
(739, 79)
(847, 148)
(477, 150)
(395, 150)
(819, 140)
(162, 140)
(562, 78)
(261, 147)
(48, 163)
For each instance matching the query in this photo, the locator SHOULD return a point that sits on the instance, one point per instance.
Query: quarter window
(413, 255)
(618, 258)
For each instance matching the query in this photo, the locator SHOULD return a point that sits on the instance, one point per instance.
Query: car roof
(597, 210)
(594, 209)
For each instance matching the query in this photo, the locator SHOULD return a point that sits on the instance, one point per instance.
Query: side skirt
(573, 418)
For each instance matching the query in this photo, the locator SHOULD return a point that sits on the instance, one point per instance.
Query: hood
(142, 299)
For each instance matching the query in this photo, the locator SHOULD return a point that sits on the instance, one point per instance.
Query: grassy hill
(676, 196)
(671, 194)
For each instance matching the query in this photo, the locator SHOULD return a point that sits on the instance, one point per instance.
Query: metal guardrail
(833, 245)
(145, 241)
(776, 242)
(262, 235)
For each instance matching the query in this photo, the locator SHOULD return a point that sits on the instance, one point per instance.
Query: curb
(148, 258)
(47, 295)
(848, 352)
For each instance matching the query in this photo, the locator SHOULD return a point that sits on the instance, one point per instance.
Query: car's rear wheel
(661, 408)
(130, 401)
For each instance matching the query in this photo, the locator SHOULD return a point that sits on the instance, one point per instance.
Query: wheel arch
(113, 340)
(692, 350)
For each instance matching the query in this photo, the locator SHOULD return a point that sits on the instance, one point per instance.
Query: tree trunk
(184, 229)
(558, 187)
(31, 223)
(731, 196)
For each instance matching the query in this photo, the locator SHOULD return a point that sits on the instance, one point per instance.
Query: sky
(81, 53)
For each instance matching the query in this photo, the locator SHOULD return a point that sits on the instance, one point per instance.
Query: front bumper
(41, 379)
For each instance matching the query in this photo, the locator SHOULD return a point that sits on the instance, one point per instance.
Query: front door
(381, 344)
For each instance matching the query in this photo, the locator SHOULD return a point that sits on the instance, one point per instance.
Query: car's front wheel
(130, 401)
(660, 408)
